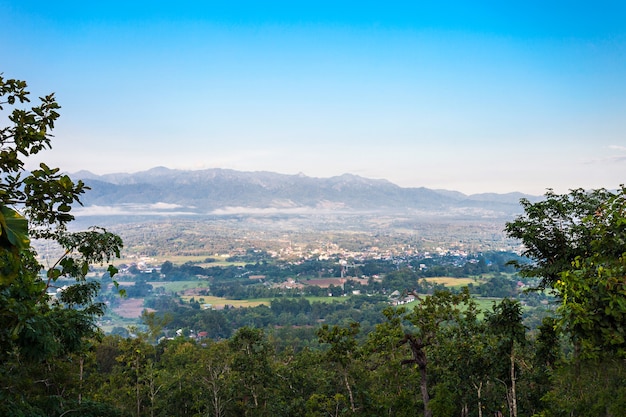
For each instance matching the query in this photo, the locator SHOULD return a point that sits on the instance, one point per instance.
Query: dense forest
(444, 356)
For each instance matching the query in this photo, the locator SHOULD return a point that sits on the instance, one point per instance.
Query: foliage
(589, 388)
(505, 322)
(593, 289)
(422, 329)
(342, 353)
(252, 366)
(578, 242)
(37, 328)
(553, 231)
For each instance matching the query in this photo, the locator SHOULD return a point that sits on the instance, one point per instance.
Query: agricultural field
(180, 286)
(452, 281)
(130, 308)
(219, 302)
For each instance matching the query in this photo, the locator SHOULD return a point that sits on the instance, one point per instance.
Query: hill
(163, 191)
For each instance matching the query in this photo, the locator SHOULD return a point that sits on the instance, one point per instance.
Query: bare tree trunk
(81, 361)
(479, 389)
(345, 380)
(513, 393)
(217, 403)
(154, 390)
(217, 406)
(138, 398)
(509, 401)
(419, 358)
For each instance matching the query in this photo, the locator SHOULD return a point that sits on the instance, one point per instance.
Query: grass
(485, 303)
(200, 260)
(482, 305)
(451, 281)
(178, 286)
(220, 302)
(314, 299)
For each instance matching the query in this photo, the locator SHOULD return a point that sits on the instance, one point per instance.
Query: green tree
(34, 327)
(588, 388)
(252, 364)
(182, 368)
(593, 288)
(464, 363)
(392, 384)
(422, 329)
(505, 322)
(127, 385)
(342, 353)
(553, 232)
(215, 366)
(305, 383)
(545, 359)
(578, 244)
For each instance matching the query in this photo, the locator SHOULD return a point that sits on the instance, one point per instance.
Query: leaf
(84, 268)
(54, 274)
(112, 270)
(66, 182)
(14, 227)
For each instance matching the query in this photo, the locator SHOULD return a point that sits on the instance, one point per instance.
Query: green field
(482, 303)
(451, 281)
(220, 302)
(217, 302)
(200, 260)
(178, 286)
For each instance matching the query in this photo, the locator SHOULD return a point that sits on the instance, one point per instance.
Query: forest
(443, 356)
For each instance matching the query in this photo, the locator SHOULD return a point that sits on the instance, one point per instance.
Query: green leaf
(14, 227)
(112, 271)
(54, 274)
(85, 268)
(66, 182)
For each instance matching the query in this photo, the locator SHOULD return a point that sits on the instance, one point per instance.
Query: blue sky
(481, 96)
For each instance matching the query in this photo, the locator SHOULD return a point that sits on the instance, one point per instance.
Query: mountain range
(163, 191)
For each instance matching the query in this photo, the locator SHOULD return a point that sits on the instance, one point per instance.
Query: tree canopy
(578, 244)
(36, 326)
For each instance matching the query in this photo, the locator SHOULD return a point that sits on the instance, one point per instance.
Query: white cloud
(157, 209)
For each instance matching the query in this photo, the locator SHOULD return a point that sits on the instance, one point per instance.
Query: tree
(342, 352)
(215, 365)
(391, 384)
(464, 361)
(593, 289)
(422, 328)
(553, 232)
(35, 327)
(546, 355)
(506, 323)
(578, 244)
(251, 362)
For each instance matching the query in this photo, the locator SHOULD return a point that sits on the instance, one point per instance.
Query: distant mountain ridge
(222, 191)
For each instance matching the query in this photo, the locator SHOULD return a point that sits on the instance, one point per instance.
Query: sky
(472, 96)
